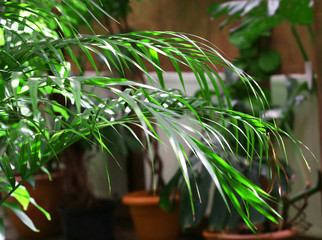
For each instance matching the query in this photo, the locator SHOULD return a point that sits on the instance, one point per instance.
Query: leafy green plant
(78, 190)
(256, 20)
(222, 217)
(39, 37)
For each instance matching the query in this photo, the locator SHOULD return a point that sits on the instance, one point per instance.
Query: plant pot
(83, 223)
(283, 234)
(48, 195)
(150, 221)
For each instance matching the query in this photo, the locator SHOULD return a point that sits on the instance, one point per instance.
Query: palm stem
(299, 43)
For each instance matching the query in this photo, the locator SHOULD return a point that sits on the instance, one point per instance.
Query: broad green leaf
(60, 110)
(21, 215)
(22, 196)
(33, 202)
(297, 11)
(76, 89)
(2, 39)
(269, 61)
(15, 82)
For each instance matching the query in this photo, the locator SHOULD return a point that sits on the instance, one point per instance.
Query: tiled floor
(124, 230)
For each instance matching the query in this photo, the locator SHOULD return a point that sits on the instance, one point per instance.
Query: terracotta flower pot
(283, 234)
(48, 195)
(150, 221)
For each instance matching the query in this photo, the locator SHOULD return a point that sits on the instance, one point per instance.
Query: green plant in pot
(225, 222)
(255, 169)
(47, 194)
(20, 133)
(250, 36)
(35, 66)
(83, 209)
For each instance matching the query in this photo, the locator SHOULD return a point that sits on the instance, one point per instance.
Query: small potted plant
(224, 221)
(150, 220)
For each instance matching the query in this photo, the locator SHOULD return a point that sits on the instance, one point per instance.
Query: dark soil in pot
(89, 223)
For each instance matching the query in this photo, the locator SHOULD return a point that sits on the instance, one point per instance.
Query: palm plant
(256, 20)
(37, 38)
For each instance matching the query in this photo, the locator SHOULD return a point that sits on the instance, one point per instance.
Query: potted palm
(223, 220)
(35, 66)
(42, 188)
(258, 18)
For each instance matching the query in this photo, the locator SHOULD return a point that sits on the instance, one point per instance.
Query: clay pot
(283, 234)
(150, 221)
(48, 195)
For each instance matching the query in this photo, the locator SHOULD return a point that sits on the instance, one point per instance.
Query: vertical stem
(311, 33)
(285, 209)
(311, 76)
(318, 58)
(299, 43)
(298, 160)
